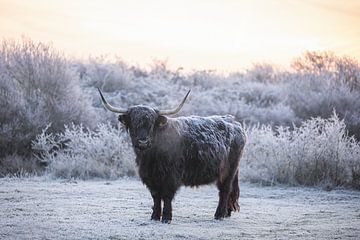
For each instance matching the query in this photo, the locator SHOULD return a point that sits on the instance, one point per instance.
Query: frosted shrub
(17, 165)
(317, 95)
(108, 75)
(323, 82)
(317, 152)
(265, 73)
(319, 83)
(79, 152)
(36, 87)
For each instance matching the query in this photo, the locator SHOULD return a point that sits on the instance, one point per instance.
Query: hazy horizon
(222, 35)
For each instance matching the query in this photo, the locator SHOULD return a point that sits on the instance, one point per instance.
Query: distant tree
(344, 69)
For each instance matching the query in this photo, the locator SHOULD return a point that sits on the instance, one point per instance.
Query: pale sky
(225, 35)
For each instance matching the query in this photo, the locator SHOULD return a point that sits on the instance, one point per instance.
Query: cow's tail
(233, 204)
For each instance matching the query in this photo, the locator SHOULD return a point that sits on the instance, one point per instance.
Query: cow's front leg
(167, 196)
(167, 211)
(156, 214)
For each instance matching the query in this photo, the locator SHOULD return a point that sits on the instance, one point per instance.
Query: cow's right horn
(109, 107)
(174, 111)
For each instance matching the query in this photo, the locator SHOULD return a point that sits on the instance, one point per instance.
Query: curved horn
(109, 107)
(173, 111)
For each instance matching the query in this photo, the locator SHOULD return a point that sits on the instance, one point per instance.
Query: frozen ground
(55, 209)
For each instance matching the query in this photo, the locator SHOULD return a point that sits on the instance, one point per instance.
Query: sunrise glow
(215, 34)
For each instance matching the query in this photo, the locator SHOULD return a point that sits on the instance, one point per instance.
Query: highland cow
(190, 151)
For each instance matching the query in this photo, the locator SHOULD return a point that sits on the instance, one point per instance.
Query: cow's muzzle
(143, 144)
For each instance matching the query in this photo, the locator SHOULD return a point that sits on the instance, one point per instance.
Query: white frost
(43, 209)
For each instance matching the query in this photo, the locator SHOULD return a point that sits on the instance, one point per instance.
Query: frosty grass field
(39, 208)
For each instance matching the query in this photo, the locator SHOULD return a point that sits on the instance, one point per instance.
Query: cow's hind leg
(228, 189)
(224, 191)
(233, 204)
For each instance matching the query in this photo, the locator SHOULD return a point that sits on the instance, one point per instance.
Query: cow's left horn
(109, 107)
(173, 111)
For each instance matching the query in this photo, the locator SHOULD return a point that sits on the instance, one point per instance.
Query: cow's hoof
(219, 215)
(228, 214)
(155, 218)
(168, 221)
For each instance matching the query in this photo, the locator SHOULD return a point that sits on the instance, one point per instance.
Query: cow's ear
(162, 120)
(124, 119)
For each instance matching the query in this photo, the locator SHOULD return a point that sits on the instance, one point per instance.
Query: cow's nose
(143, 143)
